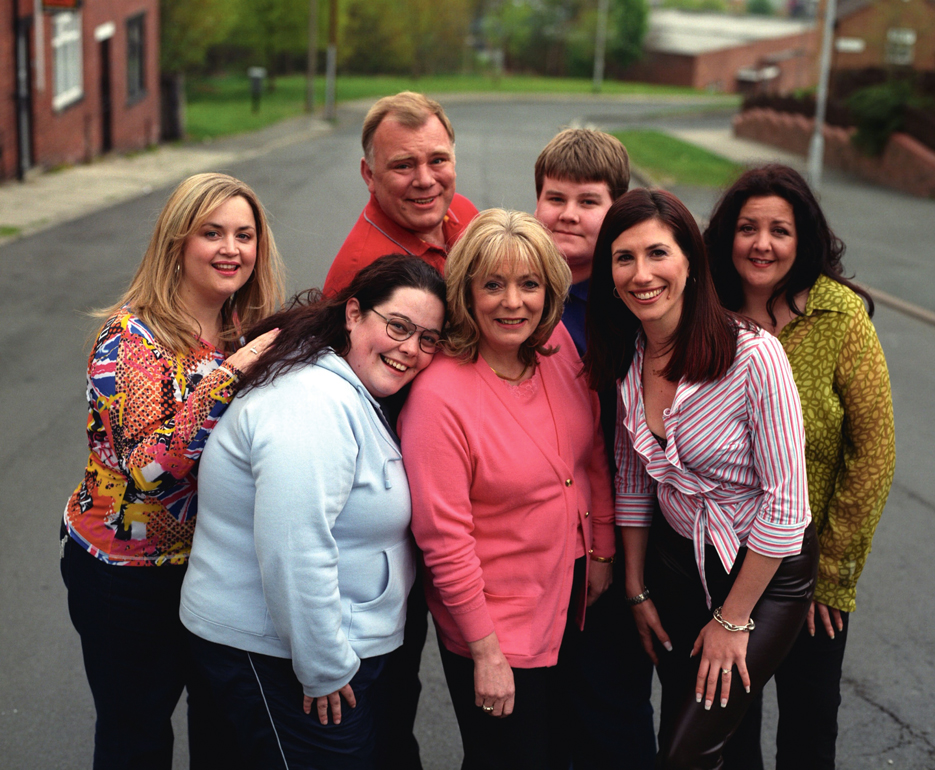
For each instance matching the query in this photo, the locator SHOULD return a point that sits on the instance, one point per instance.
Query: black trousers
(536, 735)
(611, 716)
(137, 660)
(808, 691)
(689, 736)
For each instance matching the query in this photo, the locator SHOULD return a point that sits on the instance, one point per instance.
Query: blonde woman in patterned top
(776, 261)
(163, 369)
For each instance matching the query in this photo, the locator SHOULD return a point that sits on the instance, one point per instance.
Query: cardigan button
(569, 482)
(590, 551)
(586, 514)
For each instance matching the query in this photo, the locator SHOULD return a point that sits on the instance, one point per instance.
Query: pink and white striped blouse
(733, 470)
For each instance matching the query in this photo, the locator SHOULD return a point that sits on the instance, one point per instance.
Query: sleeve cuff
(776, 540)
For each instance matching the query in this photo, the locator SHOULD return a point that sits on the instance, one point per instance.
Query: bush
(878, 111)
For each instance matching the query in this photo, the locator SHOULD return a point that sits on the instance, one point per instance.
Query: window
(899, 46)
(66, 58)
(136, 82)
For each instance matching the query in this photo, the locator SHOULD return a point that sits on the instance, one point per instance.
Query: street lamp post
(600, 44)
(816, 148)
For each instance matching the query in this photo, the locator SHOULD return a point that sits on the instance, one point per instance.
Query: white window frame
(900, 46)
(137, 22)
(67, 72)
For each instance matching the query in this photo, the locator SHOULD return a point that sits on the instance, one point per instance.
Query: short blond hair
(154, 294)
(494, 237)
(585, 155)
(409, 108)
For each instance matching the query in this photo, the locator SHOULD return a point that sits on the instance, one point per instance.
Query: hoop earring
(616, 294)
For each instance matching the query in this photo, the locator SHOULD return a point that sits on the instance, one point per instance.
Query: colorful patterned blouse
(850, 445)
(150, 414)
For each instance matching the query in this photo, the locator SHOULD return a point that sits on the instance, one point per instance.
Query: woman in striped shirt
(711, 486)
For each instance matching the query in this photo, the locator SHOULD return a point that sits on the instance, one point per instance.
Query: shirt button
(568, 482)
(590, 551)
(586, 514)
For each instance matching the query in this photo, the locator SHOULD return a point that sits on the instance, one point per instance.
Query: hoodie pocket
(386, 615)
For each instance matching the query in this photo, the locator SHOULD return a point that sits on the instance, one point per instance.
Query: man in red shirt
(409, 168)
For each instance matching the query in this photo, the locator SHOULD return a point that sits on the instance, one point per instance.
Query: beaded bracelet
(730, 626)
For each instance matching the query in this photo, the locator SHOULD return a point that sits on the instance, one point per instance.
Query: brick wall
(905, 164)
(75, 132)
(795, 56)
(871, 23)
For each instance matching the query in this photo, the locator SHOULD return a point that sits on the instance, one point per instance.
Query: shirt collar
(406, 239)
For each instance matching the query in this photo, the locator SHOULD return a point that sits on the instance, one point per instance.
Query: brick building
(78, 78)
(878, 33)
(728, 53)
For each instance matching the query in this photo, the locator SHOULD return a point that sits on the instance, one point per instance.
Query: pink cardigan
(495, 512)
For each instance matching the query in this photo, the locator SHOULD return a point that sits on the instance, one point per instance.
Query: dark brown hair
(311, 323)
(818, 251)
(705, 340)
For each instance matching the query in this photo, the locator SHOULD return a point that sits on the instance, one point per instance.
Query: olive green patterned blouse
(850, 447)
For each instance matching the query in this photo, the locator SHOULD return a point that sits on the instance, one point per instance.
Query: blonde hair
(584, 155)
(409, 108)
(153, 294)
(513, 238)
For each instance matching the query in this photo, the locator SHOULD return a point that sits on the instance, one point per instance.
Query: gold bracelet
(602, 559)
(730, 626)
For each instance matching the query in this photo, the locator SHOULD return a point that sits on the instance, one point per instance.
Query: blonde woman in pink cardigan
(511, 501)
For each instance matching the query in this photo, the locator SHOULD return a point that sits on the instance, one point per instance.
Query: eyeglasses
(401, 330)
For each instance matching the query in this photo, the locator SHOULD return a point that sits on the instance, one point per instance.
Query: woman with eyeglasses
(510, 494)
(302, 561)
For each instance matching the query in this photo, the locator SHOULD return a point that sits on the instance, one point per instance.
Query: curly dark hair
(312, 322)
(819, 250)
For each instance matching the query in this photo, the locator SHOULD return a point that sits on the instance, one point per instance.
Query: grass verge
(220, 106)
(7, 231)
(672, 161)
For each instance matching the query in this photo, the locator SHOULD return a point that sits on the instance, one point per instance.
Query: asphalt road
(312, 190)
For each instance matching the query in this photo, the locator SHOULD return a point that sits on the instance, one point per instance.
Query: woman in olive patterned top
(776, 261)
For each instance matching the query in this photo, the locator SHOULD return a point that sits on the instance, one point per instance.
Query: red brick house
(728, 53)
(78, 78)
(879, 33)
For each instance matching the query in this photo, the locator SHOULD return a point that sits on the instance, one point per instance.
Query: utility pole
(816, 148)
(331, 70)
(312, 65)
(600, 44)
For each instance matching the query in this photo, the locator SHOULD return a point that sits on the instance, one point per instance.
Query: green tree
(416, 37)
(188, 28)
(274, 32)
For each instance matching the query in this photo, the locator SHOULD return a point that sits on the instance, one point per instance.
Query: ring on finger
(487, 709)
(254, 351)
(725, 671)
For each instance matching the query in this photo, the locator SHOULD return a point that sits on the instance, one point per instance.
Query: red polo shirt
(375, 235)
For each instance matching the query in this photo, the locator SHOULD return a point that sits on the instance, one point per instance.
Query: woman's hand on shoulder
(721, 652)
(248, 355)
(332, 701)
(648, 625)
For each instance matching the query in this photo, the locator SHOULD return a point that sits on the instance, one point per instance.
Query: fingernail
(747, 689)
(811, 633)
(667, 645)
(707, 705)
(832, 634)
(697, 697)
(723, 703)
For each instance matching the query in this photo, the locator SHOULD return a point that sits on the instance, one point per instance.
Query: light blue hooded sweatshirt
(302, 548)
